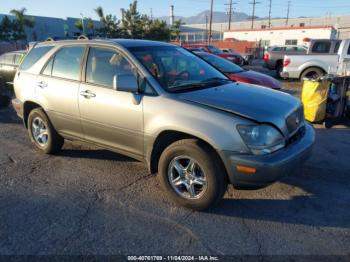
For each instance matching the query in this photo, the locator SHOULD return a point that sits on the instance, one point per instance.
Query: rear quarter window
(321, 47)
(33, 56)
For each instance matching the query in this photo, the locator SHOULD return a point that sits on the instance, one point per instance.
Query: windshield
(177, 69)
(223, 65)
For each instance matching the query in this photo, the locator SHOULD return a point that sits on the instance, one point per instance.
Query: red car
(235, 58)
(234, 72)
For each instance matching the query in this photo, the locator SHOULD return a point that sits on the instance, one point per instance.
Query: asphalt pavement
(86, 200)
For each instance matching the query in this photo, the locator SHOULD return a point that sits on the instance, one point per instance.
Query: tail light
(266, 57)
(286, 62)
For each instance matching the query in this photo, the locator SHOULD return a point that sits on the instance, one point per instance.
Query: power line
(230, 13)
(288, 9)
(254, 3)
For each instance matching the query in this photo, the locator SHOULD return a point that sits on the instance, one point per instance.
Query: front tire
(42, 133)
(313, 73)
(192, 174)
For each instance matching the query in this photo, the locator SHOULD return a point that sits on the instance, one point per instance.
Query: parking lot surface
(86, 200)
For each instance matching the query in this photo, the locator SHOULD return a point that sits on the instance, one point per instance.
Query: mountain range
(218, 17)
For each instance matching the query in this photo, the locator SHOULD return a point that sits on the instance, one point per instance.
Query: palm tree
(90, 25)
(21, 22)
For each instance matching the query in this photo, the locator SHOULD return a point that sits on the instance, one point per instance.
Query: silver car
(163, 105)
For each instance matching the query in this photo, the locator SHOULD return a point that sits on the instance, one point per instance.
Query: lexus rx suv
(165, 106)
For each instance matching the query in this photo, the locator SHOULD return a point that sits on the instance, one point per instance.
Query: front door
(110, 117)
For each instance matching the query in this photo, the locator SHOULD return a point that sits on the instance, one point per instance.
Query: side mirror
(125, 83)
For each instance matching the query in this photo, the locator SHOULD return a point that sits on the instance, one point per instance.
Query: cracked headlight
(261, 139)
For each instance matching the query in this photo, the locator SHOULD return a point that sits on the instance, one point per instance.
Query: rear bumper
(18, 106)
(269, 168)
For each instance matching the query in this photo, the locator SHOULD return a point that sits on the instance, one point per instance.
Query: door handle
(41, 84)
(87, 94)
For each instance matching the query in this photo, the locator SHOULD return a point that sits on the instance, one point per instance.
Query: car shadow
(322, 187)
(8, 116)
(96, 154)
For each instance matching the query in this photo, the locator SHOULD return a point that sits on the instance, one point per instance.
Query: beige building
(282, 35)
(340, 23)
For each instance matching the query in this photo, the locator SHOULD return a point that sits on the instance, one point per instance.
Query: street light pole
(82, 22)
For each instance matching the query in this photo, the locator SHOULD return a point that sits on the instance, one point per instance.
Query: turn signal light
(245, 169)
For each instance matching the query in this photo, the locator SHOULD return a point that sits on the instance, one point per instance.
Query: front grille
(295, 120)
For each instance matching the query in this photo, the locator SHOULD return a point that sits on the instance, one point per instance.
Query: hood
(250, 101)
(256, 78)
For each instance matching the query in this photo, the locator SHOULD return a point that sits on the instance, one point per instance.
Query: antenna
(254, 3)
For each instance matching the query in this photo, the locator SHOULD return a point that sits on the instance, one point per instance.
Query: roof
(281, 28)
(127, 43)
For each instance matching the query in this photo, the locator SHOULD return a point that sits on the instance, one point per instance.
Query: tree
(6, 27)
(157, 30)
(109, 24)
(79, 25)
(175, 29)
(20, 23)
(90, 25)
(133, 22)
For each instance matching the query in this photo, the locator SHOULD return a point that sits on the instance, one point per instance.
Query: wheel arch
(28, 106)
(166, 138)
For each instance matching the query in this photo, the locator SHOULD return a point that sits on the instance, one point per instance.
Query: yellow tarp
(314, 98)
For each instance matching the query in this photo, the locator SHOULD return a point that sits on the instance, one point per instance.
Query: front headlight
(261, 139)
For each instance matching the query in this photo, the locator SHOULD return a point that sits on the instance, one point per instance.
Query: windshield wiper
(215, 80)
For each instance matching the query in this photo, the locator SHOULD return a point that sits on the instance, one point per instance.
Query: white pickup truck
(323, 56)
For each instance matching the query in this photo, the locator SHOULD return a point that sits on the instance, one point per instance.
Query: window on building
(291, 42)
(67, 63)
(302, 24)
(263, 26)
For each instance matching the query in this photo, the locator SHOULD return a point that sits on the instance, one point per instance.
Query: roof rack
(50, 39)
(82, 37)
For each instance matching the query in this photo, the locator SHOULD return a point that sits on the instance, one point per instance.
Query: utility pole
(287, 20)
(82, 22)
(270, 13)
(211, 22)
(206, 28)
(151, 14)
(230, 13)
(254, 3)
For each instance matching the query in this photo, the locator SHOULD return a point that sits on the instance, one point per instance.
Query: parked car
(9, 63)
(196, 49)
(165, 106)
(237, 73)
(323, 56)
(234, 58)
(246, 58)
(274, 56)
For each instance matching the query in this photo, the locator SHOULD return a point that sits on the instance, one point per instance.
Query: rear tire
(312, 73)
(279, 69)
(42, 133)
(207, 176)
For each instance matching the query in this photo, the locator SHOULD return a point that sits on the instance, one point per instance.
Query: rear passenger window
(48, 69)
(33, 56)
(321, 47)
(105, 64)
(349, 50)
(67, 62)
(336, 47)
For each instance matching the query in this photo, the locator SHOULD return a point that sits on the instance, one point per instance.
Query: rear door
(58, 86)
(110, 117)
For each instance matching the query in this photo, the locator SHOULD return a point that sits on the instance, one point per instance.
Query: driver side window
(104, 65)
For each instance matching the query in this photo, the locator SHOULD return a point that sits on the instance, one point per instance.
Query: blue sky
(73, 8)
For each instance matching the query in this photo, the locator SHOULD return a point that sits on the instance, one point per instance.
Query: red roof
(281, 28)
